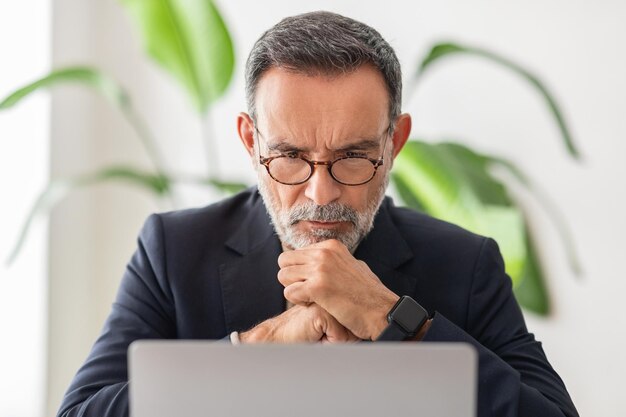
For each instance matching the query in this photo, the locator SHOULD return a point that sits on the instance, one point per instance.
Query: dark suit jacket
(203, 273)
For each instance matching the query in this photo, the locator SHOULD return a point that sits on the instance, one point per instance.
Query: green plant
(455, 183)
(189, 40)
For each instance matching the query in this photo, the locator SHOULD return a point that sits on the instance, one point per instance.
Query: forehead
(319, 112)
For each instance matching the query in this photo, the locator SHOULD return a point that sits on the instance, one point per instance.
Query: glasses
(293, 169)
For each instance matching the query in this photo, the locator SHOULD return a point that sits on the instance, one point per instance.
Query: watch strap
(393, 332)
(405, 319)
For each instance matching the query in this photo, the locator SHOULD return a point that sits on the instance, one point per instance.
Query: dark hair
(323, 43)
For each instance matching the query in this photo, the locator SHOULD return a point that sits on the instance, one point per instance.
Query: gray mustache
(333, 212)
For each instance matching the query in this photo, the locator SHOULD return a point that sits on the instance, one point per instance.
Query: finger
(352, 338)
(329, 245)
(318, 252)
(295, 257)
(336, 333)
(297, 293)
(292, 274)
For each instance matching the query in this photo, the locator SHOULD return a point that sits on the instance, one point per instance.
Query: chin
(302, 239)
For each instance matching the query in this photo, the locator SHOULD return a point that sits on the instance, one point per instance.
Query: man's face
(322, 118)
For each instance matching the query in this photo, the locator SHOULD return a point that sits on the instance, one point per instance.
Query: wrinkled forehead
(317, 112)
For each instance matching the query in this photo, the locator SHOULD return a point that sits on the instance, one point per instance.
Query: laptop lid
(202, 378)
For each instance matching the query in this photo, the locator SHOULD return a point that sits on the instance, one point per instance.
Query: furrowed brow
(283, 147)
(362, 145)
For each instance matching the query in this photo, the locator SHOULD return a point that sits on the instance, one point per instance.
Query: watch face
(409, 314)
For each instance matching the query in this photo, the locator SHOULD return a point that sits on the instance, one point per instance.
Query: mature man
(318, 254)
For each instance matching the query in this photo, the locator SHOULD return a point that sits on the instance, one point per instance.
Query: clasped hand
(337, 298)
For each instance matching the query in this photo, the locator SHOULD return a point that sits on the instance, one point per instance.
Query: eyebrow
(284, 147)
(361, 145)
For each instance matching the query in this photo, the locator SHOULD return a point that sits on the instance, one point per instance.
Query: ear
(245, 129)
(401, 133)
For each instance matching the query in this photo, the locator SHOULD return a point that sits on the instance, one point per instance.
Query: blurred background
(56, 294)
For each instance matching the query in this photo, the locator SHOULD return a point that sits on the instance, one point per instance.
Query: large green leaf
(57, 190)
(443, 50)
(93, 78)
(189, 39)
(107, 87)
(453, 183)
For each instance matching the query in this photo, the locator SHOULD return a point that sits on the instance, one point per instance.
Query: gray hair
(323, 43)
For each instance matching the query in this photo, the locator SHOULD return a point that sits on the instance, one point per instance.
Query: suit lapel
(251, 292)
(250, 289)
(384, 250)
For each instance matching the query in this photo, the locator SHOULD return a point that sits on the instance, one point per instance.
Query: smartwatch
(405, 319)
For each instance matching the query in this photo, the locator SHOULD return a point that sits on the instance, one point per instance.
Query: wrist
(261, 333)
(406, 320)
(380, 321)
(422, 331)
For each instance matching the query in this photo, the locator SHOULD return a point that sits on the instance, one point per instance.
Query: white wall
(93, 231)
(574, 45)
(24, 133)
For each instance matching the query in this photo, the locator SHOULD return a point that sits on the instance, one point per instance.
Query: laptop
(207, 378)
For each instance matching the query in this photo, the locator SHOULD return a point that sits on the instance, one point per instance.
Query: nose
(321, 188)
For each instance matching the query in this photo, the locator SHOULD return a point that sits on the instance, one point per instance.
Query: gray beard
(284, 221)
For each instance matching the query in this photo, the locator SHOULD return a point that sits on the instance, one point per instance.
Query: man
(322, 130)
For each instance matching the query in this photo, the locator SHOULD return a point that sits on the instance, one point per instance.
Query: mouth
(323, 224)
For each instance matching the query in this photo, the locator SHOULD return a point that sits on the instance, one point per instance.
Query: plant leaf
(82, 75)
(158, 184)
(453, 183)
(189, 39)
(57, 190)
(438, 51)
(406, 195)
(227, 187)
(551, 209)
(446, 49)
(107, 87)
(532, 292)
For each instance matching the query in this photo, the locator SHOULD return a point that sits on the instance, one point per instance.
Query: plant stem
(150, 146)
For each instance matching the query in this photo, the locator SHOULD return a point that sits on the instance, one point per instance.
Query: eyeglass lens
(293, 170)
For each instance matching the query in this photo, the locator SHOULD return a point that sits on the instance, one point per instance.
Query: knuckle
(326, 256)
(288, 294)
(281, 276)
(313, 309)
(316, 311)
(334, 244)
(319, 287)
(291, 293)
(318, 269)
(320, 255)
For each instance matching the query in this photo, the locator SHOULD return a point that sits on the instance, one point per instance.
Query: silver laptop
(203, 378)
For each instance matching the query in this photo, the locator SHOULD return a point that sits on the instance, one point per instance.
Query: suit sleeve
(514, 376)
(143, 309)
